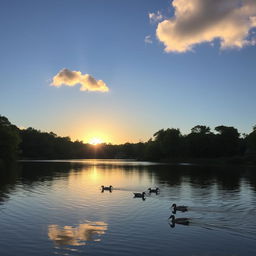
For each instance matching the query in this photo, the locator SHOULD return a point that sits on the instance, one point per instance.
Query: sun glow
(96, 138)
(95, 141)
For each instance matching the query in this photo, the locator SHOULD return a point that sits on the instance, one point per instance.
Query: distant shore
(238, 160)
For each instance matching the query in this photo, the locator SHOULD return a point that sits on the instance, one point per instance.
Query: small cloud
(72, 78)
(155, 17)
(148, 40)
(198, 21)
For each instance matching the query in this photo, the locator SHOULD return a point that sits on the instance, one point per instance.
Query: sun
(96, 138)
(95, 141)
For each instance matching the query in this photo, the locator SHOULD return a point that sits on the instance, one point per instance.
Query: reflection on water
(43, 206)
(76, 236)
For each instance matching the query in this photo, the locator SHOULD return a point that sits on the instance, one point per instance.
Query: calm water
(57, 208)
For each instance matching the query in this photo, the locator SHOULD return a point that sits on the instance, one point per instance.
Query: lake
(58, 208)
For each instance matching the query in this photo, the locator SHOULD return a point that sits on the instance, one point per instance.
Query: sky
(121, 70)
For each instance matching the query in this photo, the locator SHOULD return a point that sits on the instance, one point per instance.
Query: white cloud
(78, 235)
(198, 21)
(71, 78)
(155, 17)
(148, 40)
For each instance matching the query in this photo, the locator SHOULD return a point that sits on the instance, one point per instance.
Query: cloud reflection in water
(76, 236)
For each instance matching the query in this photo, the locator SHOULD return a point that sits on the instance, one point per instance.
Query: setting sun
(95, 141)
(96, 138)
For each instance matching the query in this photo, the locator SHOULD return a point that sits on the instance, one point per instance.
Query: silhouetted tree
(166, 145)
(169, 141)
(251, 142)
(200, 141)
(201, 129)
(9, 140)
(228, 140)
(37, 144)
(153, 151)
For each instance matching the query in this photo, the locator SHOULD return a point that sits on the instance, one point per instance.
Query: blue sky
(150, 88)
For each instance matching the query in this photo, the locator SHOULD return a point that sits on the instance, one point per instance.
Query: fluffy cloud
(148, 40)
(71, 78)
(198, 21)
(155, 17)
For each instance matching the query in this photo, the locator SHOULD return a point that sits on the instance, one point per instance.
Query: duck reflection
(77, 236)
(103, 188)
(181, 221)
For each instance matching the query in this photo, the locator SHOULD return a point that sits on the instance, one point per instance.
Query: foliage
(169, 142)
(37, 144)
(200, 142)
(251, 142)
(166, 144)
(9, 140)
(228, 140)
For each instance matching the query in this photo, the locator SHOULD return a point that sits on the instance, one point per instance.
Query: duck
(107, 188)
(181, 208)
(140, 195)
(182, 221)
(153, 190)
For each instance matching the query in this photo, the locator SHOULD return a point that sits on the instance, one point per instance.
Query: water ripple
(48, 214)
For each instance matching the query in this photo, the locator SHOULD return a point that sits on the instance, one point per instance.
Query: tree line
(165, 145)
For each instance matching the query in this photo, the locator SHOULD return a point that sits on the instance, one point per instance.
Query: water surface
(57, 207)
